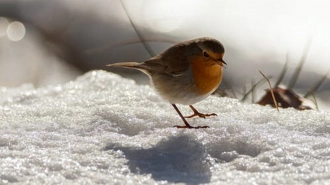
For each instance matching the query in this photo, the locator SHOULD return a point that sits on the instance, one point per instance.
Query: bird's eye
(205, 54)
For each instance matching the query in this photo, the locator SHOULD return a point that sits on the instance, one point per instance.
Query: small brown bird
(185, 73)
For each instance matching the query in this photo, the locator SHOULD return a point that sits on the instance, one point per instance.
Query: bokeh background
(52, 42)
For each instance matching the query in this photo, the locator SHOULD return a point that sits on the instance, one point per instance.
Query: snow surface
(103, 129)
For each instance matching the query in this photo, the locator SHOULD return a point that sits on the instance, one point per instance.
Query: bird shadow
(179, 159)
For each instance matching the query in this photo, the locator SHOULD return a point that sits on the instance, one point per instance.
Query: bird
(186, 73)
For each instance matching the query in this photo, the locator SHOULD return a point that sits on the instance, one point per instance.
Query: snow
(104, 129)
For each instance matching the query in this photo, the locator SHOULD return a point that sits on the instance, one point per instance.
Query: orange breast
(207, 75)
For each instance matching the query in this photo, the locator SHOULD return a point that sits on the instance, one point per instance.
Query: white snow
(103, 129)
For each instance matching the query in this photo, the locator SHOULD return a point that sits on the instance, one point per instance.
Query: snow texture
(103, 129)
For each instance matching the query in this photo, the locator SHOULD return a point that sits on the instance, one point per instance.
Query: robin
(185, 73)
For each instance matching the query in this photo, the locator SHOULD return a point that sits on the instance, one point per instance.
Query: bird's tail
(125, 64)
(130, 65)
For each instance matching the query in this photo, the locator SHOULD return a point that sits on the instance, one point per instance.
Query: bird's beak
(221, 62)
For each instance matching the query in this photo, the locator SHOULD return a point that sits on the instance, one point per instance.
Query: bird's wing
(173, 61)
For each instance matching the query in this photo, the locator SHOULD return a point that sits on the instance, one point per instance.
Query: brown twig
(299, 67)
(138, 33)
(316, 86)
(271, 91)
(260, 82)
(253, 93)
(285, 68)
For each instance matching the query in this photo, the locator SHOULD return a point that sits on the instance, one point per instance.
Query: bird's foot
(190, 127)
(196, 113)
(201, 115)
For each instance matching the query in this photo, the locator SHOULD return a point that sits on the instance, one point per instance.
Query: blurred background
(52, 42)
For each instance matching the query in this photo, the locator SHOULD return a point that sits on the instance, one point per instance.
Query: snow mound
(103, 129)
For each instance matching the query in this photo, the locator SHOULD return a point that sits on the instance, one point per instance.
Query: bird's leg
(196, 113)
(185, 121)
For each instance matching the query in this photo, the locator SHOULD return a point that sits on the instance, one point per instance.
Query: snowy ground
(103, 129)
